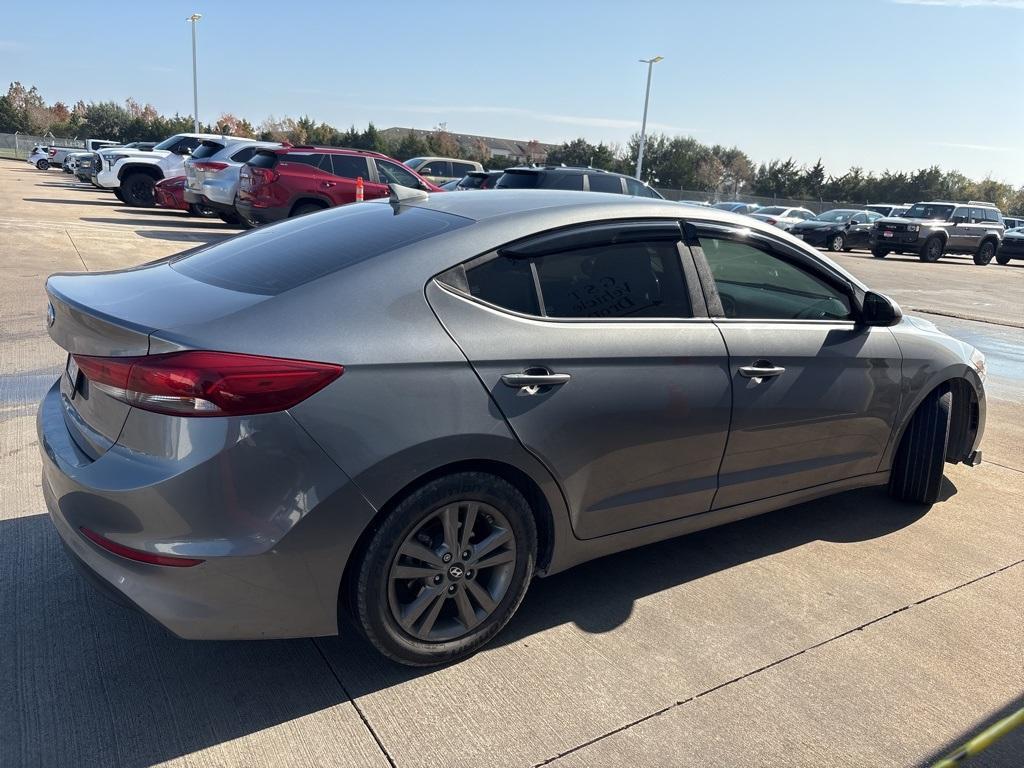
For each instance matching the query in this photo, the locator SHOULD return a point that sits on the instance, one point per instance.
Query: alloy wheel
(452, 571)
(837, 243)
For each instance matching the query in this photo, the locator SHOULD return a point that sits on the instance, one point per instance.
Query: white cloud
(1017, 5)
(979, 147)
(544, 117)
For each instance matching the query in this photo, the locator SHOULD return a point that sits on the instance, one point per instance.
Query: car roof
(306, 148)
(565, 169)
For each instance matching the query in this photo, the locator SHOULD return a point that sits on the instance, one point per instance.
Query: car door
(814, 393)
(595, 345)
(859, 232)
(346, 170)
(393, 173)
(960, 235)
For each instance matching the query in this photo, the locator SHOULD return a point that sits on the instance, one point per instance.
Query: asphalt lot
(848, 631)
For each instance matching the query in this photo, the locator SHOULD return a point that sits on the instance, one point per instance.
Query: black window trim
(693, 230)
(454, 279)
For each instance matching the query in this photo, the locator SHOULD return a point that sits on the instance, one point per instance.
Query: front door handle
(761, 370)
(518, 380)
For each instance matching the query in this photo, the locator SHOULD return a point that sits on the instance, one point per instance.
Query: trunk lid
(112, 314)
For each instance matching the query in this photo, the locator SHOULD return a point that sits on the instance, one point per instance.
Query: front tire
(836, 243)
(1002, 258)
(932, 250)
(118, 195)
(917, 469)
(985, 253)
(445, 570)
(137, 190)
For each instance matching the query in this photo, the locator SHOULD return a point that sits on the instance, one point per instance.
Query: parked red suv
(278, 183)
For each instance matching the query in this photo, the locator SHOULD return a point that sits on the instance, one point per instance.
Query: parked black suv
(933, 229)
(581, 179)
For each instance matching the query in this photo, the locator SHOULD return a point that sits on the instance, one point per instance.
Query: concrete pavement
(849, 631)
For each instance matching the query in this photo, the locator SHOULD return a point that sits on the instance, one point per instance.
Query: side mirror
(959, 219)
(879, 309)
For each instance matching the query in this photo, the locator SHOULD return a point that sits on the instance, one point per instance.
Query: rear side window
(641, 279)
(207, 149)
(305, 159)
(264, 160)
(991, 214)
(350, 166)
(514, 180)
(573, 181)
(244, 155)
(634, 187)
(281, 257)
(600, 182)
(977, 215)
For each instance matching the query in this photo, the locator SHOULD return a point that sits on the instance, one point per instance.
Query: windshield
(168, 143)
(835, 216)
(928, 211)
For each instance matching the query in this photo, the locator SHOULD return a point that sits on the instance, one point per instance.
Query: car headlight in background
(112, 159)
(979, 364)
(913, 227)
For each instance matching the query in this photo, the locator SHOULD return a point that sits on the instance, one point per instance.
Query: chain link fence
(19, 145)
(691, 195)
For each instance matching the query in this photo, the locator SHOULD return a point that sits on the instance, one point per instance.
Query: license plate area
(888, 234)
(72, 375)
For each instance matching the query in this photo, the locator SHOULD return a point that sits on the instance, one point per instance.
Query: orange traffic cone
(359, 189)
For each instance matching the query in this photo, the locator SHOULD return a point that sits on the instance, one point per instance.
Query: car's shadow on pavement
(107, 203)
(90, 683)
(170, 219)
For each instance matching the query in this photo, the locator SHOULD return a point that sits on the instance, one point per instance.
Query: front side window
(392, 173)
(611, 281)
(860, 218)
(754, 284)
(963, 212)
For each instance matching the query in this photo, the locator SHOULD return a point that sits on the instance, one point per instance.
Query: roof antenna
(400, 194)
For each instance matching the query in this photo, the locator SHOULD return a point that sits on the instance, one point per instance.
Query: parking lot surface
(847, 631)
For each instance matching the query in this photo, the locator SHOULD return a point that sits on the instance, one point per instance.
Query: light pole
(643, 126)
(195, 80)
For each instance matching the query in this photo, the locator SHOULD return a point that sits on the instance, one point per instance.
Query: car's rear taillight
(772, 221)
(261, 176)
(207, 383)
(209, 165)
(52, 152)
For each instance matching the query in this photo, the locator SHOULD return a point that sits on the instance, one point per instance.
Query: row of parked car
(249, 183)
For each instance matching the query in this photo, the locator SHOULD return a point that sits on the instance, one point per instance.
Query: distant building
(514, 149)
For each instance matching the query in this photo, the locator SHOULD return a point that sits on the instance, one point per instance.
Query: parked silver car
(782, 216)
(407, 410)
(212, 172)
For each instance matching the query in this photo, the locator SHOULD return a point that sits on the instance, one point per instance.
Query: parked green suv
(933, 229)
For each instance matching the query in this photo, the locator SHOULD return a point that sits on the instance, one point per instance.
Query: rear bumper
(193, 199)
(273, 519)
(256, 215)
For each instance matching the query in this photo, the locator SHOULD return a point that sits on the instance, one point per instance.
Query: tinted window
(168, 143)
(244, 155)
(991, 214)
(306, 158)
(207, 149)
(264, 160)
(612, 281)
(961, 211)
(278, 258)
(350, 166)
(573, 181)
(859, 218)
(186, 145)
(757, 285)
(461, 169)
(978, 215)
(392, 173)
(600, 182)
(472, 182)
(506, 283)
(519, 180)
(435, 168)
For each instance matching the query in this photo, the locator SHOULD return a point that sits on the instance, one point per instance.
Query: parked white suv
(211, 174)
(133, 174)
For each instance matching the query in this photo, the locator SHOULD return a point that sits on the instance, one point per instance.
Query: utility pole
(643, 126)
(195, 78)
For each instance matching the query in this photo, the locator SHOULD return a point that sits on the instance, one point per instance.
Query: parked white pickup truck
(133, 174)
(57, 155)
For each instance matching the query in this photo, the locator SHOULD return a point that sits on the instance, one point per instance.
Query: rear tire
(917, 469)
(201, 212)
(137, 190)
(1002, 259)
(232, 218)
(879, 253)
(118, 195)
(494, 511)
(43, 165)
(932, 250)
(302, 210)
(985, 253)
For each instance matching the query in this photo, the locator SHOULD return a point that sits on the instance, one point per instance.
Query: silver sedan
(396, 414)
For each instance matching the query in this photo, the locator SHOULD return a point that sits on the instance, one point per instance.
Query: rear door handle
(761, 369)
(534, 379)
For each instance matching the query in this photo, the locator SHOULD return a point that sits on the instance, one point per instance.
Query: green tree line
(673, 162)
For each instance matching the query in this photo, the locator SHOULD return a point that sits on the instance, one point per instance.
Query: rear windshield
(264, 159)
(518, 180)
(278, 258)
(206, 149)
(472, 182)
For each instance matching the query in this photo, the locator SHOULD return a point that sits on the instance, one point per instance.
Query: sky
(881, 84)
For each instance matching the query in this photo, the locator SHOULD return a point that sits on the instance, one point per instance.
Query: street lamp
(195, 80)
(643, 126)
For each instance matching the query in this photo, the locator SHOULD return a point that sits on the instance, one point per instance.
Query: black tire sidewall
(926, 250)
(917, 469)
(980, 258)
(836, 243)
(879, 253)
(1003, 260)
(131, 194)
(43, 165)
(368, 597)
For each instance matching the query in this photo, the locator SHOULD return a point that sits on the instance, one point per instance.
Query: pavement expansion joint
(775, 663)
